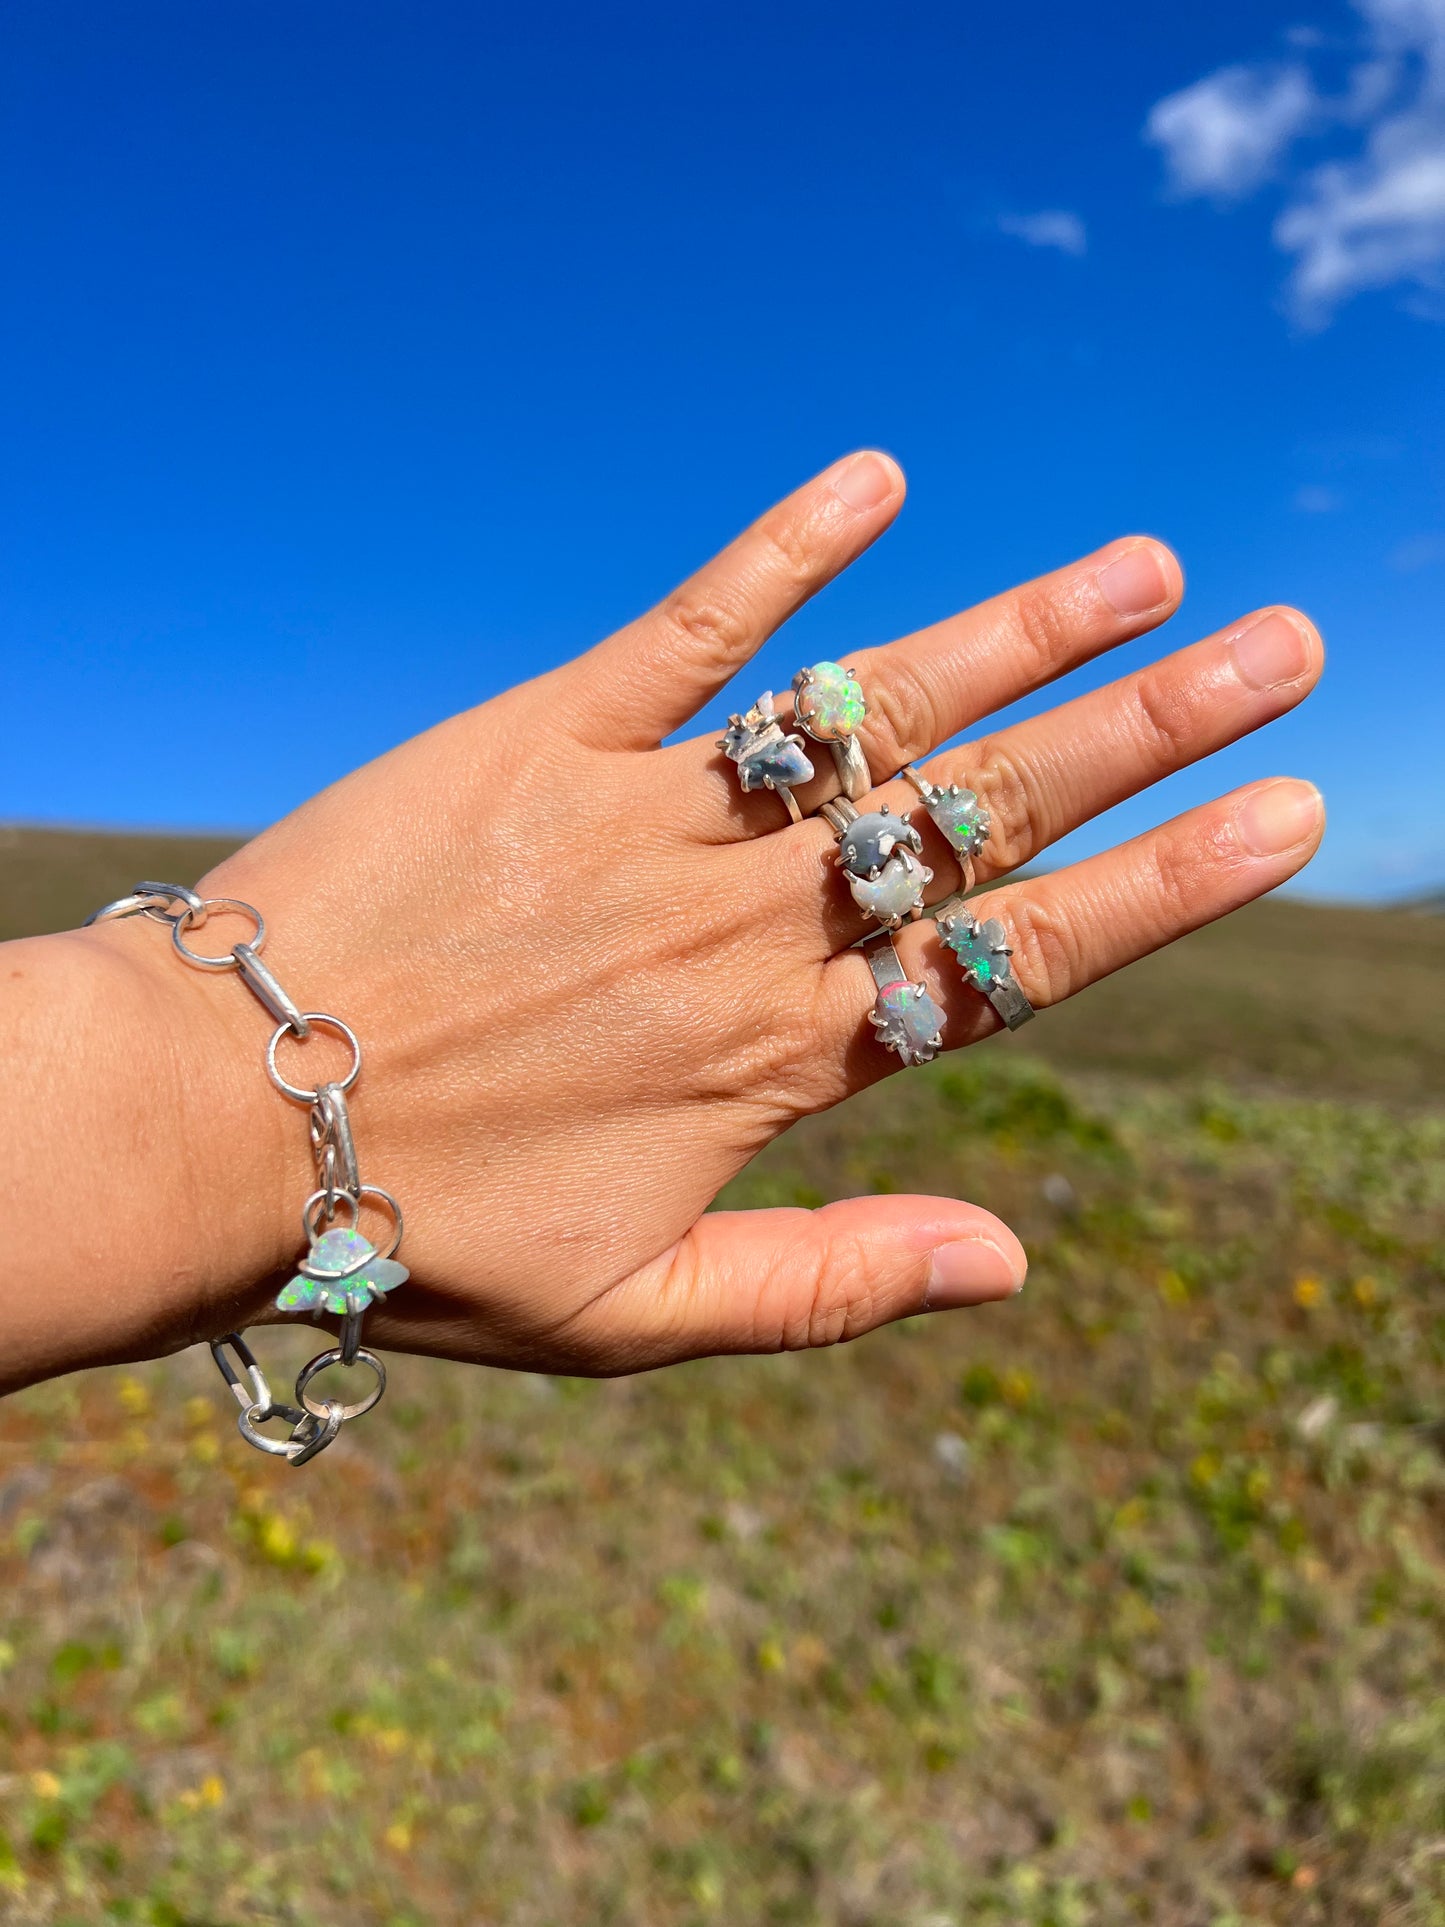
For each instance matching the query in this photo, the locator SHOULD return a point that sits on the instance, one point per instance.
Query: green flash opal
(360, 1275)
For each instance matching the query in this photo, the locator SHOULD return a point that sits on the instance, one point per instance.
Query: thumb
(769, 1281)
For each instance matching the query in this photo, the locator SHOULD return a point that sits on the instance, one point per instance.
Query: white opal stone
(895, 891)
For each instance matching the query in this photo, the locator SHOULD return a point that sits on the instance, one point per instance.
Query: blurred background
(360, 361)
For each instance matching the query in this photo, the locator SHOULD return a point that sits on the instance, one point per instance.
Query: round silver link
(186, 920)
(320, 1363)
(317, 1020)
(258, 1398)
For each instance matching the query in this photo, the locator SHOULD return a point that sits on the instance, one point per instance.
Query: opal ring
(983, 953)
(878, 853)
(766, 758)
(828, 703)
(958, 815)
(904, 1015)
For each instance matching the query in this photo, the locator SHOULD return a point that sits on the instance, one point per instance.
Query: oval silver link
(138, 903)
(266, 989)
(259, 1397)
(332, 1106)
(322, 1433)
(319, 1020)
(350, 1345)
(253, 1416)
(175, 893)
(320, 1363)
(187, 920)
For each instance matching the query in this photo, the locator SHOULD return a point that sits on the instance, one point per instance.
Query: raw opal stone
(828, 703)
(866, 845)
(909, 1022)
(980, 948)
(961, 818)
(774, 762)
(895, 891)
(338, 1250)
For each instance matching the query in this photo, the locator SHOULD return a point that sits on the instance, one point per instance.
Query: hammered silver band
(904, 1015)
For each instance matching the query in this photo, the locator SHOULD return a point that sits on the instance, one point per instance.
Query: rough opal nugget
(896, 891)
(909, 1022)
(982, 948)
(774, 762)
(866, 845)
(338, 1250)
(828, 703)
(961, 817)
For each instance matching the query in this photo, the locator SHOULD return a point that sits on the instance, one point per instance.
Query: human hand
(593, 979)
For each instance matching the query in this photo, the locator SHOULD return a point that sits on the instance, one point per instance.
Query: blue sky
(360, 360)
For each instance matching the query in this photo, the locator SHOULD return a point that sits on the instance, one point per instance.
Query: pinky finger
(1071, 928)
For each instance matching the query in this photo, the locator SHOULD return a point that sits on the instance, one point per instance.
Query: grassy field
(1122, 1602)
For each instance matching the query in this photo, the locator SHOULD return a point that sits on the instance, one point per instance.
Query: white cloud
(1225, 134)
(1052, 227)
(1312, 500)
(1374, 218)
(1419, 552)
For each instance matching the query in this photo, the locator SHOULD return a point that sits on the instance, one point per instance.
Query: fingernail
(1271, 654)
(1278, 817)
(865, 482)
(971, 1272)
(1134, 583)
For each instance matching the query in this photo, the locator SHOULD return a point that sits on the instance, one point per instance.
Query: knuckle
(1164, 716)
(839, 1305)
(1017, 830)
(902, 720)
(1042, 628)
(718, 627)
(790, 551)
(1048, 956)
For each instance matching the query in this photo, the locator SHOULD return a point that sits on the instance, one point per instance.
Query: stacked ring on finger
(904, 1015)
(958, 816)
(983, 952)
(878, 852)
(828, 703)
(765, 756)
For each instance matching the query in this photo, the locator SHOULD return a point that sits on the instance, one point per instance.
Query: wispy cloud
(1224, 135)
(1418, 552)
(1313, 500)
(1051, 227)
(1370, 216)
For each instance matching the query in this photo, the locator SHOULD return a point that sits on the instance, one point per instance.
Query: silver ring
(767, 759)
(318, 1020)
(957, 815)
(230, 961)
(983, 954)
(878, 854)
(320, 1363)
(904, 1015)
(828, 704)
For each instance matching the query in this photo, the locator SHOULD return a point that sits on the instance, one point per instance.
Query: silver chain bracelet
(342, 1272)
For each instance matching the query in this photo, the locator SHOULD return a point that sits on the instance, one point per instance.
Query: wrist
(150, 1093)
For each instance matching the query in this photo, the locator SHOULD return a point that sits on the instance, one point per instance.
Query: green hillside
(1121, 1602)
